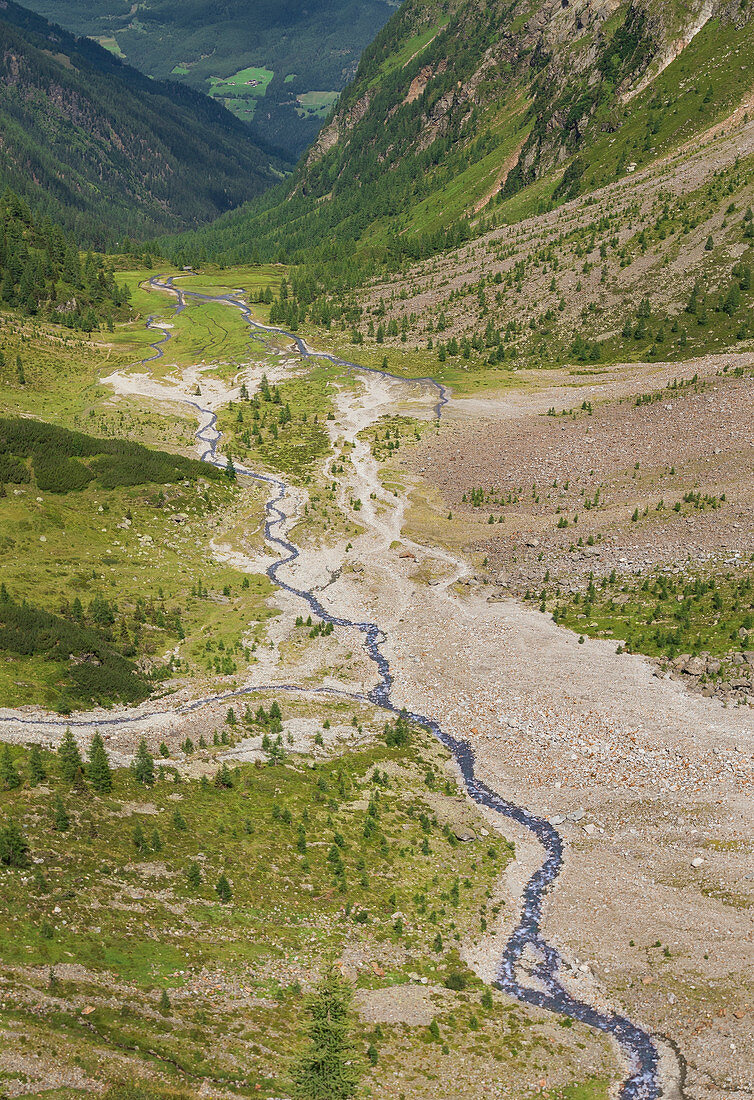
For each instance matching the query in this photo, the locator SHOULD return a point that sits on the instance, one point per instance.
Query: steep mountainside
(459, 106)
(106, 151)
(278, 65)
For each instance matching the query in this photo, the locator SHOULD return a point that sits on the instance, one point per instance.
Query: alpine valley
(376, 516)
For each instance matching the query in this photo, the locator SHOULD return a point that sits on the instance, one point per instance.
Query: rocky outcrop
(730, 678)
(340, 126)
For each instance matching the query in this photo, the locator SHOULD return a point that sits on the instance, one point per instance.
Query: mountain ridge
(298, 56)
(106, 151)
(457, 107)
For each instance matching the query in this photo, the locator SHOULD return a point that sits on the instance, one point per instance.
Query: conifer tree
(8, 771)
(223, 889)
(140, 841)
(98, 771)
(328, 1067)
(143, 765)
(194, 876)
(223, 777)
(14, 847)
(60, 819)
(37, 771)
(71, 764)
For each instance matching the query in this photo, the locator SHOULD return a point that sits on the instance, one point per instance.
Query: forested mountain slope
(278, 64)
(106, 151)
(465, 114)
(42, 273)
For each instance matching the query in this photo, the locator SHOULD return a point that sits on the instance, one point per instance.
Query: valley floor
(648, 783)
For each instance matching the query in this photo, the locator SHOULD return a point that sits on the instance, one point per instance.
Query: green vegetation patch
(56, 455)
(316, 104)
(240, 92)
(282, 426)
(663, 615)
(92, 671)
(198, 911)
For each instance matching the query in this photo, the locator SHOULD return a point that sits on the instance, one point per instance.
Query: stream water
(527, 953)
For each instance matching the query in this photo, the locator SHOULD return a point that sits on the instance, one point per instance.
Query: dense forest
(42, 272)
(100, 148)
(57, 459)
(358, 189)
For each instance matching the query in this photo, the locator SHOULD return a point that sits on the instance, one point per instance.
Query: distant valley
(278, 66)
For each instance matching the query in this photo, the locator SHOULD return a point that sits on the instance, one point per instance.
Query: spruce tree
(328, 1066)
(143, 765)
(223, 777)
(164, 1002)
(71, 764)
(223, 889)
(60, 819)
(98, 771)
(8, 771)
(14, 847)
(194, 876)
(37, 772)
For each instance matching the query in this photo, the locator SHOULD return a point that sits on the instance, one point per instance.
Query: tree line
(42, 271)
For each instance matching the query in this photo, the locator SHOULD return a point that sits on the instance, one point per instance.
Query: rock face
(340, 126)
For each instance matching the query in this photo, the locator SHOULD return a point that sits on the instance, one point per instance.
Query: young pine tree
(60, 819)
(8, 771)
(143, 765)
(98, 771)
(71, 764)
(14, 847)
(223, 889)
(224, 777)
(140, 841)
(37, 771)
(328, 1066)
